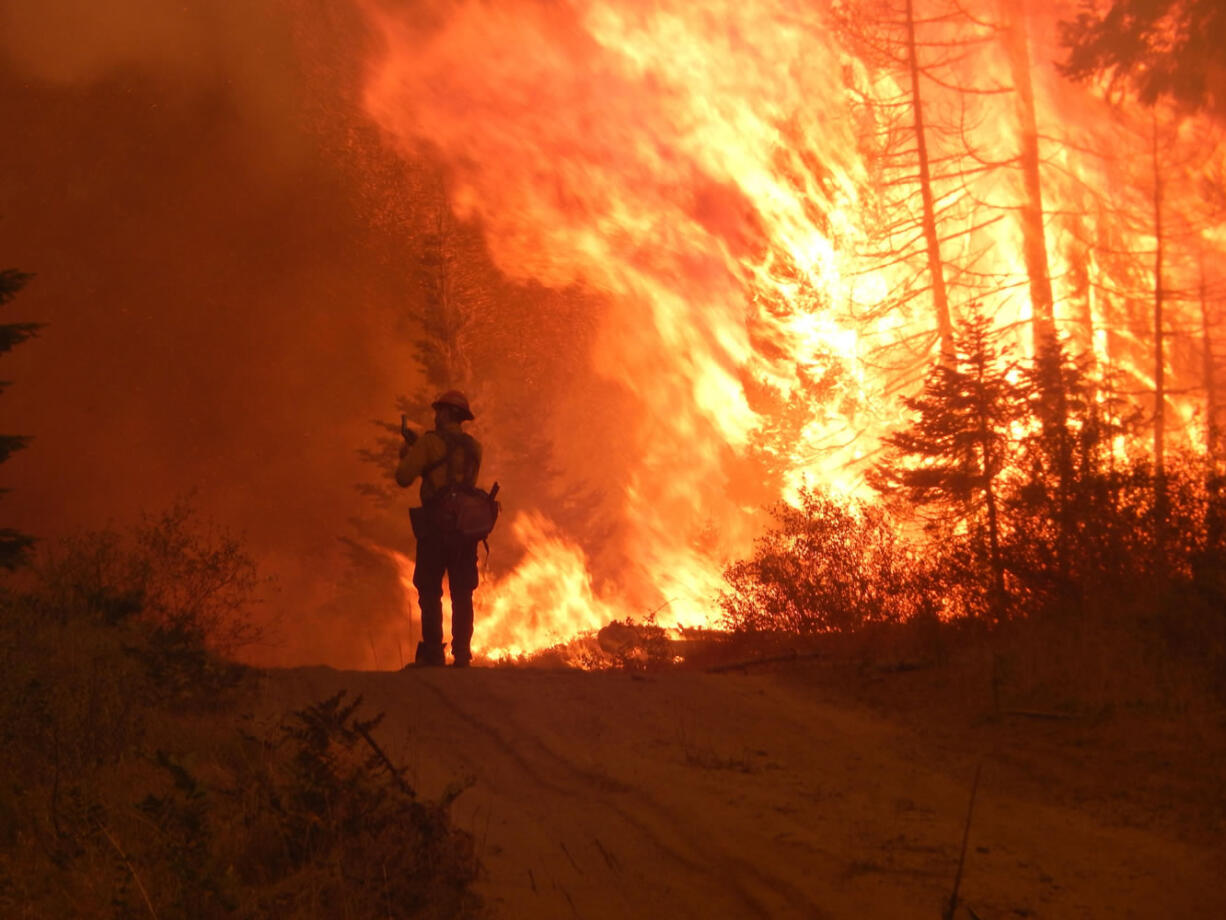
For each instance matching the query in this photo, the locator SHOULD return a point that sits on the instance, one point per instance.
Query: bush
(315, 821)
(126, 786)
(178, 574)
(826, 566)
(349, 835)
(108, 622)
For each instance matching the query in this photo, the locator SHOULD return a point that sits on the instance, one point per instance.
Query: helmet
(454, 399)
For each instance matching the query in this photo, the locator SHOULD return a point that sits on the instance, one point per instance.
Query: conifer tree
(13, 545)
(1065, 499)
(950, 461)
(1155, 48)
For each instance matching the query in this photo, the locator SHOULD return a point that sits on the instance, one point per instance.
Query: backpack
(468, 512)
(459, 509)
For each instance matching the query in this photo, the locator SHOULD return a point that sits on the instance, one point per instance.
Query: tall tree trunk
(1063, 457)
(1214, 523)
(444, 310)
(994, 555)
(936, 269)
(1081, 296)
(1208, 371)
(1160, 496)
(1034, 237)
(987, 462)
(998, 568)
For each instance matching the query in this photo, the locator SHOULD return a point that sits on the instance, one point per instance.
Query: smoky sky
(224, 292)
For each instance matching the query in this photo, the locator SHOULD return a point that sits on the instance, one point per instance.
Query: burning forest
(851, 373)
(786, 244)
(698, 267)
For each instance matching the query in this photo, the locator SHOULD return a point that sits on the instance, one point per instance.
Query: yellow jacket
(429, 456)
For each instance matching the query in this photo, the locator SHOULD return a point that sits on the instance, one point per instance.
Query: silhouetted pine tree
(448, 271)
(1066, 500)
(951, 459)
(13, 545)
(1155, 48)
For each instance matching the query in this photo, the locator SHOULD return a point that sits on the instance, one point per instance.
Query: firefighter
(443, 458)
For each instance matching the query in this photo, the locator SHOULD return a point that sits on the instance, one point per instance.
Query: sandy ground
(691, 794)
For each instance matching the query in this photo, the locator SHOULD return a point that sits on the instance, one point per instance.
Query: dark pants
(438, 555)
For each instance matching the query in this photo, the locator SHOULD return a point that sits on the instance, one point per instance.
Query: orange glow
(547, 600)
(719, 174)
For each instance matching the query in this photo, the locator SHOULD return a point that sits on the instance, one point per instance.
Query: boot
(430, 656)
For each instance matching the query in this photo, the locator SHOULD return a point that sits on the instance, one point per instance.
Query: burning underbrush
(1010, 522)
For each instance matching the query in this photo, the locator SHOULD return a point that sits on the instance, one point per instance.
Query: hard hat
(454, 399)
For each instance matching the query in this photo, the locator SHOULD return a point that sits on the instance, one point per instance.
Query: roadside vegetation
(135, 783)
(1014, 517)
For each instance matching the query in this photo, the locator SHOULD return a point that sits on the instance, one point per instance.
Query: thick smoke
(225, 317)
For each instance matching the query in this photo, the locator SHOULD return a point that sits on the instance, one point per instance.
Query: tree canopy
(1172, 49)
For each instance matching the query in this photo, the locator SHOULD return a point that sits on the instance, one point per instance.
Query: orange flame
(710, 169)
(546, 600)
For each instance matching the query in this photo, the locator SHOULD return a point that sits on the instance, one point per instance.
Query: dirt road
(687, 794)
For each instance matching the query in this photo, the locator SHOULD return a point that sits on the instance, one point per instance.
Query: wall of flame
(715, 173)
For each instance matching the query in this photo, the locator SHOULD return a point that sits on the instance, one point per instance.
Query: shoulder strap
(453, 441)
(431, 467)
